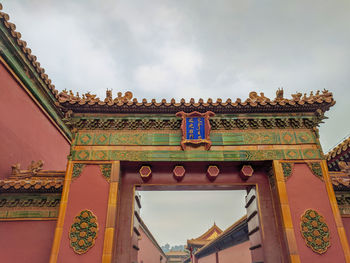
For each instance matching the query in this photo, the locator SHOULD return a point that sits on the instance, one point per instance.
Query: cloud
(175, 73)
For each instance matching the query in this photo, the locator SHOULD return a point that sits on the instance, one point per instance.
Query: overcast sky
(201, 49)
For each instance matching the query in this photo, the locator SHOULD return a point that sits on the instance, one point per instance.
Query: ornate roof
(236, 233)
(320, 102)
(209, 235)
(22, 45)
(339, 149)
(340, 181)
(34, 179)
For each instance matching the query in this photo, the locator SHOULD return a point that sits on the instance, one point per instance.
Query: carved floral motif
(106, 170)
(316, 169)
(83, 232)
(77, 169)
(287, 170)
(315, 231)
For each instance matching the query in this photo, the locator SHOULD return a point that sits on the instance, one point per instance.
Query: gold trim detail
(83, 232)
(315, 231)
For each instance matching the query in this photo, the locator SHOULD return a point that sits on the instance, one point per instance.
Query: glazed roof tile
(339, 149)
(31, 184)
(33, 179)
(340, 181)
(214, 231)
(321, 101)
(224, 233)
(16, 36)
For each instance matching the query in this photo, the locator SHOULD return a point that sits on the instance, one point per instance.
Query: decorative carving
(47, 200)
(246, 172)
(344, 167)
(166, 123)
(77, 169)
(195, 128)
(179, 156)
(315, 231)
(83, 232)
(32, 170)
(145, 172)
(287, 170)
(179, 172)
(106, 170)
(279, 95)
(127, 104)
(316, 169)
(35, 167)
(218, 138)
(109, 97)
(343, 200)
(126, 98)
(212, 172)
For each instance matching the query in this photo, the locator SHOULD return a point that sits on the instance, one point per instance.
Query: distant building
(232, 243)
(176, 256)
(196, 243)
(338, 161)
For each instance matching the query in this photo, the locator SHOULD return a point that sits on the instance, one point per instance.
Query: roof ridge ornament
(298, 102)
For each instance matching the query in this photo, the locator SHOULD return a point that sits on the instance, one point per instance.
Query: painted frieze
(106, 171)
(287, 170)
(316, 169)
(194, 155)
(315, 231)
(218, 138)
(77, 169)
(83, 232)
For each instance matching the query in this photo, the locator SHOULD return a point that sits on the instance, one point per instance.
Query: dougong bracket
(195, 128)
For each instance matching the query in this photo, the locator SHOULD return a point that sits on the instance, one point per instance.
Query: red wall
(89, 191)
(346, 223)
(208, 259)
(26, 241)
(238, 254)
(26, 134)
(148, 252)
(306, 191)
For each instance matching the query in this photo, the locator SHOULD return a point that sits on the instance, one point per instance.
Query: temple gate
(268, 147)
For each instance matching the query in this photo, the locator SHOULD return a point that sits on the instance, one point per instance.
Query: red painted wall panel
(238, 254)
(306, 191)
(208, 259)
(26, 241)
(148, 252)
(26, 134)
(89, 191)
(346, 223)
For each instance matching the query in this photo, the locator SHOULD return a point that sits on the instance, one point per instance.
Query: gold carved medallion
(83, 232)
(315, 231)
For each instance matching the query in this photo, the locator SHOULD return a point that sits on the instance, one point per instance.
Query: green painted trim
(77, 170)
(194, 155)
(15, 58)
(285, 137)
(22, 206)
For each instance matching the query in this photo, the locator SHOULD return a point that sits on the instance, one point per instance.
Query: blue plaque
(195, 128)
